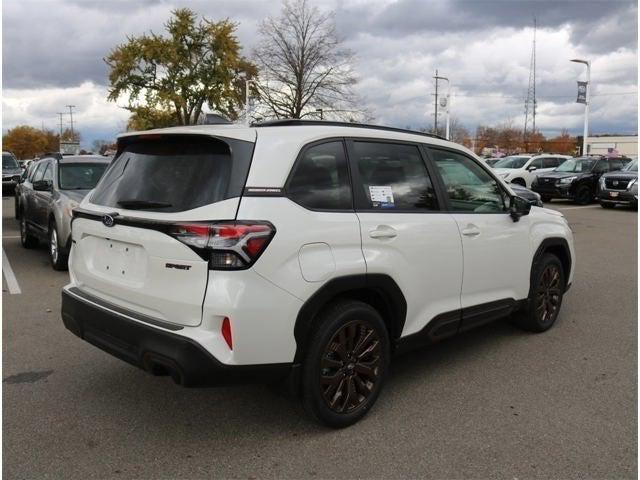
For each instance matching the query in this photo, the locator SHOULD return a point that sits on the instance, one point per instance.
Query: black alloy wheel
(345, 363)
(350, 366)
(548, 294)
(545, 296)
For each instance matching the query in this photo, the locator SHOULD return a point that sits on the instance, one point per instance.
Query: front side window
(393, 177)
(48, 173)
(549, 162)
(80, 176)
(39, 172)
(320, 180)
(469, 187)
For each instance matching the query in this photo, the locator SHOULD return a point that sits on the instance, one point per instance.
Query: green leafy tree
(198, 63)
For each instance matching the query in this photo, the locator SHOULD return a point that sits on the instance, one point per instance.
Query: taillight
(227, 245)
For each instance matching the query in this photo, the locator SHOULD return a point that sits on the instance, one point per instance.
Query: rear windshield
(173, 173)
(80, 176)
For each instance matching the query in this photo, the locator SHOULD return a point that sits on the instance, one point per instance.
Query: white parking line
(12, 282)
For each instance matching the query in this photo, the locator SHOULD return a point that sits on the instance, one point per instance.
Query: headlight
(504, 174)
(567, 180)
(602, 180)
(632, 183)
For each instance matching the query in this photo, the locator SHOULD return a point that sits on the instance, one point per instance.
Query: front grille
(616, 183)
(546, 181)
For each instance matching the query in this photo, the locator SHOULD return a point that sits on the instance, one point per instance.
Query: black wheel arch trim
(551, 245)
(380, 286)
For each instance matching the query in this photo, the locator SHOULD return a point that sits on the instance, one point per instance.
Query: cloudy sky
(52, 55)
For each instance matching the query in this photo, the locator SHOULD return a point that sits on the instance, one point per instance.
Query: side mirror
(531, 168)
(518, 207)
(43, 185)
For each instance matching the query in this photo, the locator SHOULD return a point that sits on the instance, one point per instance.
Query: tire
(347, 327)
(545, 198)
(27, 239)
(583, 195)
(57, 253)
(545, 295)
(607, 205)
(519, 181)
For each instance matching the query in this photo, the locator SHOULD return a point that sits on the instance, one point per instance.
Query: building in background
(602, 144)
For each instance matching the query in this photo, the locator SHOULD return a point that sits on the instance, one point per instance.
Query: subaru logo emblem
(615, 182)
(108, 220)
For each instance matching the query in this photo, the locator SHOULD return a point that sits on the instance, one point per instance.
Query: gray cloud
(483, 45)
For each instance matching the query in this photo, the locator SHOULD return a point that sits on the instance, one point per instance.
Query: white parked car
(522, 169)
(310, 251)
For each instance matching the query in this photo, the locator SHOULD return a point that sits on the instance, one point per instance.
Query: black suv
(576, 179)
(619, 188)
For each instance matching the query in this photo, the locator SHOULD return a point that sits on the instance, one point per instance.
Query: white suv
(310, 251)
(523, 169)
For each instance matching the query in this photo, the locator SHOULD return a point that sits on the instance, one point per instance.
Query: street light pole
(448, 97)
(587, 98)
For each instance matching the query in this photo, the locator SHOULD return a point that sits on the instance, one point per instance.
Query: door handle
(471, 231)
(383, 231)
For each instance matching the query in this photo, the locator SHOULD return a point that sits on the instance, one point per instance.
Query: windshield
(511, 162)
(80, 176)
(632, 167)
(577, 165)
(9, 161)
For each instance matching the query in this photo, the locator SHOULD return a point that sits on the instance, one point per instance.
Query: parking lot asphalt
(492, 403)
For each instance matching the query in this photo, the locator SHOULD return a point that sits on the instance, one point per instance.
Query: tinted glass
(320, 180)
(536, 163)
(469, 187)
(577, 165)
(174, 173)
(9, 161)
(80, 176)
(393, 177)
(37, 175)
(601, 167)
(615, 164)
(549, 162)
(48, 173)
(632, 167)
(511, 162)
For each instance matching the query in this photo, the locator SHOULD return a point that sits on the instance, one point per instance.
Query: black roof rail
(292, 122)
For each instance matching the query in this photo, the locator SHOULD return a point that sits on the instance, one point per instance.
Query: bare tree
(304, 69)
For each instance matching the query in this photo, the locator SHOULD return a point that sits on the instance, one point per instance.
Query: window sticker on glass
(381, 196)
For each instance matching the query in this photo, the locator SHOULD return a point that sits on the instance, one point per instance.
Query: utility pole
(531, 103)
(71, 107)
(435, 121)
(60, 137)
(445, 103)
(321, 112)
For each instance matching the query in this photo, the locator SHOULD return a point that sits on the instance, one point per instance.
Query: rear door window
(392, 177)
(174, 173)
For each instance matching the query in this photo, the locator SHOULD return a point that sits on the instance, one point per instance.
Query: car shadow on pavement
(157, 405)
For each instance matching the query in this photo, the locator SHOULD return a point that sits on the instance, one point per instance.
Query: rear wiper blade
(140, 204)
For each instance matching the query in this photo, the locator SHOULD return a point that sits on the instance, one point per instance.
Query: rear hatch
(136, 237)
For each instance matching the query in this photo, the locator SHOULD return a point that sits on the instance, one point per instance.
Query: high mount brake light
(230, 245)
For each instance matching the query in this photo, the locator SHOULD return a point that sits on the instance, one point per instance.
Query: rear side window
(392, 177)
(174, 173)
(320, 180)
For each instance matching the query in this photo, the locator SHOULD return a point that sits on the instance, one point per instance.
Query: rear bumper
(155, 349)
